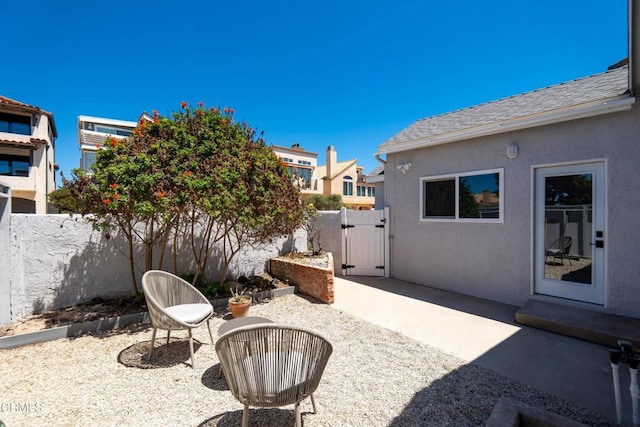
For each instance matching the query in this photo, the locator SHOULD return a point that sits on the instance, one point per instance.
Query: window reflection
(470, 196)
(568, 227)
(479, 196)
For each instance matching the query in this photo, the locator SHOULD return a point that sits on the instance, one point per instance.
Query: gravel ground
(375, 377)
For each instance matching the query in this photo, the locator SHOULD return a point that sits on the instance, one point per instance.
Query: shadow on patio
(484, 334)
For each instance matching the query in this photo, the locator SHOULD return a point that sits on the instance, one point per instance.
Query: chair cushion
(190, 313)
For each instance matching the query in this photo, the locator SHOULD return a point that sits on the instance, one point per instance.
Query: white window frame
(85, 160)
(110, 130)
(347, 180)
(456, 177)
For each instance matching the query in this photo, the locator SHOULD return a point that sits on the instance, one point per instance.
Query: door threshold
(587, 325)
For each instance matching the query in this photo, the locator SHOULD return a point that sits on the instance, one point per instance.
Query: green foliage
(238, 295)
(64, 200)
(211, 289)
(332, 202)
(468, 208)
(198, 174)
(568, 190)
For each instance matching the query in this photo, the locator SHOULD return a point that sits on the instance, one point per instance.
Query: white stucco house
(27, 144)
(302, 166)
(478, 197)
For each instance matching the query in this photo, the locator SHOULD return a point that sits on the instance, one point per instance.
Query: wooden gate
(364, 243)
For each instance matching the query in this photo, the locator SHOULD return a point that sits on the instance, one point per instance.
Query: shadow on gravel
(258, 417)
(465, 397)
(213, 379)
(164, 355)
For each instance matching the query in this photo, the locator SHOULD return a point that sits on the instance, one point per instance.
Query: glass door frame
(590, 293)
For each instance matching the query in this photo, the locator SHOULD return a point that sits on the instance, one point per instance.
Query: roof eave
(604, 106)
(375, 178)
(106, 121)
(18, 106)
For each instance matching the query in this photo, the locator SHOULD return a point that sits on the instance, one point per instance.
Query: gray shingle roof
(377, 171)
(573, 93)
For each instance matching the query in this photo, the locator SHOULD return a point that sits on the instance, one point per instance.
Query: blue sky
(345, 73)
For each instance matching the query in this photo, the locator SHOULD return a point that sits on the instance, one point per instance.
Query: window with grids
(471, 196)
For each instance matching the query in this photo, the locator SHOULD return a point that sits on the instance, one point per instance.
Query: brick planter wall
(313, 281)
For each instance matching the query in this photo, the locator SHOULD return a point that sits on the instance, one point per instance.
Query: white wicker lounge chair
(271, 365)
(174, 304)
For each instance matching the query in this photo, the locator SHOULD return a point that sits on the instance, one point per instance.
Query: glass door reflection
(568, 228)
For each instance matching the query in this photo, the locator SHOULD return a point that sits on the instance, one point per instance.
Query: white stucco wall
(494, 261)
(58, 261)
(331, 236)
(5, 254)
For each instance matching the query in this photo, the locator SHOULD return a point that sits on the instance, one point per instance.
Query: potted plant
(239, 303)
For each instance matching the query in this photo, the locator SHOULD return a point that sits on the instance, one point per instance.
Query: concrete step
(587, 325)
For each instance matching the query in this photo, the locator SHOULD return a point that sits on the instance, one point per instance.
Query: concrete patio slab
(485, 333)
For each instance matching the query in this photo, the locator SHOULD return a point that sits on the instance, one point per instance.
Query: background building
(302, 166)
(27, 142)
(347, 179)
(94, 131)
(343, 178)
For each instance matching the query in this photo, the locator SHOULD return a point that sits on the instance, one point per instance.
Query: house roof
(294, 150)
(106, 121)
(577, 98)
(378, 170)
(95, 139)
(321, 171)
(31, 143)
(31, 109)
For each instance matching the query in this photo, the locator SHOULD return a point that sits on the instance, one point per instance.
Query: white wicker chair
(271, 365)
(174, 304)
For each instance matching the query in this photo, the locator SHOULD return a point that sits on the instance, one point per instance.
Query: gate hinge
(380, 267)
(347, 226)
(380, 226)
(347, 266)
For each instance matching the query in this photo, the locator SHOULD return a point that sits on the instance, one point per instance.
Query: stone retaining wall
(313, 281)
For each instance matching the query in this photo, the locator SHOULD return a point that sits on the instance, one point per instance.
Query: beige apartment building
(27, 142)
(344, 178)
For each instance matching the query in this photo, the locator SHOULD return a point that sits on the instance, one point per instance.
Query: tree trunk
(132, 267)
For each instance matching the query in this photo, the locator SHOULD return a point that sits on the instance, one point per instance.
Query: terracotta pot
(239, 309)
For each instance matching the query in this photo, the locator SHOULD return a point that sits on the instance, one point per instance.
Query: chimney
(332, 159)
(634, 47)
